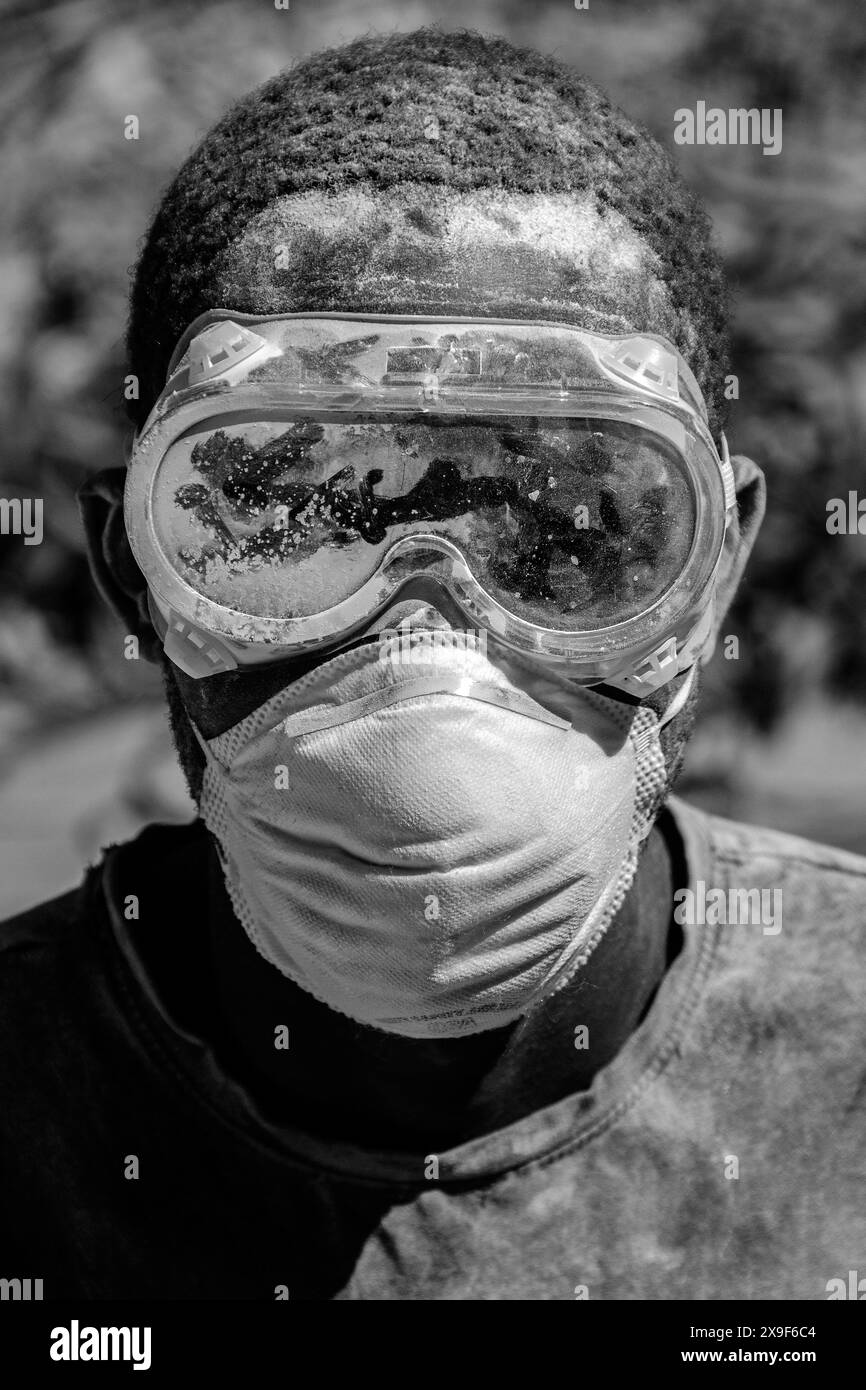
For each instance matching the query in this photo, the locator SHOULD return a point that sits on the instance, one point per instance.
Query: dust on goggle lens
(568, 520)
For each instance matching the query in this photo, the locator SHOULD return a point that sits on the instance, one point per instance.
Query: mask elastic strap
(209, 755)
(679, 699)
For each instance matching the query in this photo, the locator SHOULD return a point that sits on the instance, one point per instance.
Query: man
(442, 996)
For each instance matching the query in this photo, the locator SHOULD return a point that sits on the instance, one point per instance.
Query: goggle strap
(728, 479)
(196, 652)
(679, 699)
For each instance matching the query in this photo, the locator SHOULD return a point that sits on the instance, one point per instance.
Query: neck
(347, 1082)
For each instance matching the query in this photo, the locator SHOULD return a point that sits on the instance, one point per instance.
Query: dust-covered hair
(429, 172)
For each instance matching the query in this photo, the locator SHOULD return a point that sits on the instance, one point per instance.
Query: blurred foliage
(77, 198)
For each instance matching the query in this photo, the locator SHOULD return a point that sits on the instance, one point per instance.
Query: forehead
(416, 248)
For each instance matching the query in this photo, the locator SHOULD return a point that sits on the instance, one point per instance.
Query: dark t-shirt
(720, 1155)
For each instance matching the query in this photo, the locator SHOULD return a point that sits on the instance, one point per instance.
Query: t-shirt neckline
(186, 1059)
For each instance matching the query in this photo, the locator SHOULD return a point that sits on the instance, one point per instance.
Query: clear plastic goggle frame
(235, 376)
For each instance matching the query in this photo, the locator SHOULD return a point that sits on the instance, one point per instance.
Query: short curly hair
(459, 110)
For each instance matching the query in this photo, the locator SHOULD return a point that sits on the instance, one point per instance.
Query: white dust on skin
(392, 248)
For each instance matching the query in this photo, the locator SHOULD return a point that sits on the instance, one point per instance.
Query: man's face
(485, 253)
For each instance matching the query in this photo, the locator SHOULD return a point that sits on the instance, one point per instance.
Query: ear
(112, 563)
(751, 489)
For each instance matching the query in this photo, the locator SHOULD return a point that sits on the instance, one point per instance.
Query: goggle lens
(574, 524)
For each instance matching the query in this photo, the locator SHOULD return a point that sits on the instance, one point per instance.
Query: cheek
(189, 754)
(219, 702)
(673, 746)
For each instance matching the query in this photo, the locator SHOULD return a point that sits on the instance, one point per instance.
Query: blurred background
(85, 754)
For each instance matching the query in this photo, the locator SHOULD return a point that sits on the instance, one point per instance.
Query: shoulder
(40, 929)
(63, 926)
(66, 971)
(788, 918)
(772, 855)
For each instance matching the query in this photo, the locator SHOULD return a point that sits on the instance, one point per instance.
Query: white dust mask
(424, 845)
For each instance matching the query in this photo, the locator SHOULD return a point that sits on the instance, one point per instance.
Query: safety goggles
(301, 472)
